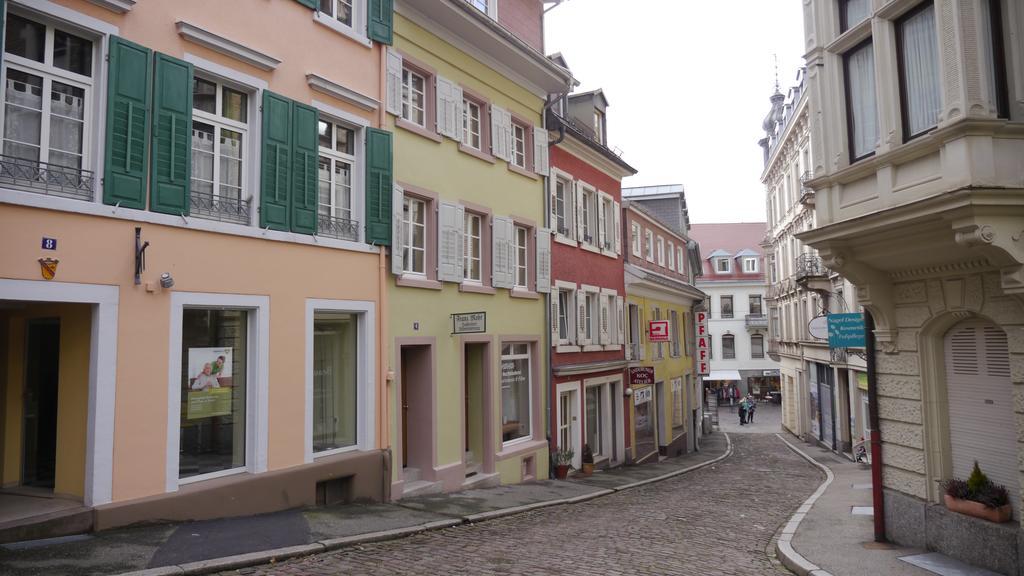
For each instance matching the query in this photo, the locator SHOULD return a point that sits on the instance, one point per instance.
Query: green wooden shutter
(172, 123)
(379, 184)
(275, 175)
(380, 25)
(308, 3)
(305, 140)
(128, 102)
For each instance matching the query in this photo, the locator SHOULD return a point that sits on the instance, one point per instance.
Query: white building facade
(916, 113)
(824, 392)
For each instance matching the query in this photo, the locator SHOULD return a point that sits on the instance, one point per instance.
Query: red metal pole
(877, 499)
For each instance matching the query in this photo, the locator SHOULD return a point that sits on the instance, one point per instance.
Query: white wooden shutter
(617, 228)
(579, 210)
(555, 296)
(450, 224)
(620, 321)
(581, 318)
(543, 260)
(394, 83)
(501, 262)
(605, 319)
(602, 223)
(501, 133)
(982, 426)
(552, 196)
(540, 150)
(449, 108)
(397, 230)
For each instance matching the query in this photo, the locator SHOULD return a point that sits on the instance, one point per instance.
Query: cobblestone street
(714, 521)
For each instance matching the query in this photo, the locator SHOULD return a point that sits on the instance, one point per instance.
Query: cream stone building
(824, 392)
(916, 112)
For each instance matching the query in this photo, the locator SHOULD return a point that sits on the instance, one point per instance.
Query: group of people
(747, 408)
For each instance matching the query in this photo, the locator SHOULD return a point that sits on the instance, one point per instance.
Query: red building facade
(589, 409)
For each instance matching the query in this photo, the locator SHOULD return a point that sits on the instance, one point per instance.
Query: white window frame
(257, 388)
(469, 239)
(221, 123)
(357, 31)
(522, 257)
(407, 99)
(676, 348)
(728, 265)
(335, 156)
(407, 229)
(679, 260)
(635, 239)
(661, 251)
(571, 313)
(366, 377)
(358, 124)
(611, 296)
(489, 7)
(467, 135)
(671, 252)
(732, 337)
(565, 227)
(649, 241)
(599, 126)
(606, 205)
(529, 386)
(94, 87)
(750, 265)
(589, 212)
(519, 145)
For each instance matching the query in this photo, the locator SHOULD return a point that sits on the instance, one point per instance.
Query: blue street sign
(845, 330)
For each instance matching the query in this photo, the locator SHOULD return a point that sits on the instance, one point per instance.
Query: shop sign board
(846, 330)
(658, 331)
(703, 340)
(641, 375)
(469, 323)
(642, 396)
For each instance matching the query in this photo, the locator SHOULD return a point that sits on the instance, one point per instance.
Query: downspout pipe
(877, 499)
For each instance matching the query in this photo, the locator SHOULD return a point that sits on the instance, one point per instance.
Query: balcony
(45, 178)
(773, 349)
(219, 208)
(757, 322)
(341, 228)
(812, 274)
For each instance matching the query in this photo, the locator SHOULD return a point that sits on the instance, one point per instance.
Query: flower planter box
(979, 510)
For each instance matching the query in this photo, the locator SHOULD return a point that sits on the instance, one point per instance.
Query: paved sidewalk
(209, 546)
(835, 536)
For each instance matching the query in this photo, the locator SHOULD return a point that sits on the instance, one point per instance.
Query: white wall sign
(469, 323)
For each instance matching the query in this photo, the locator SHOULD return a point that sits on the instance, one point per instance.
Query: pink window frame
(430, 242)
(485, 286)
(485, 126)
(430, 96)
(530, 290)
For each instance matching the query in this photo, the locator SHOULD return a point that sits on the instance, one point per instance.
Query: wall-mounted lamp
(628, 392)
(166, 280)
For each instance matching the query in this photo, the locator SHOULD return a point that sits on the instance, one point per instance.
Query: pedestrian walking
(751, 408)
(743, 412)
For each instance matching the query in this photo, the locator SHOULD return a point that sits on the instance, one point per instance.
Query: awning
(723, 375)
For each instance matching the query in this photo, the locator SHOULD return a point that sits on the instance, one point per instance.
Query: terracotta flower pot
(588, 468)
(979, 510)
(562, 471)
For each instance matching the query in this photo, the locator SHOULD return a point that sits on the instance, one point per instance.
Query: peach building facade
(203, 197)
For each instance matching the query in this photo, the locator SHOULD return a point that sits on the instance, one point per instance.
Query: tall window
(671, 256)
(674, 327)
(755, 305)
(634, 331)
(661, 251)
(728, 347)
(340, 10)
(723, 265)
(756, 346)
(561, 206)
(919, 70)
(589, 306)
(773, 322)
(516, 382)
(634, 238)
(588, 212)
(659, 349)
(471, 125)
(564, 312)
(414, 220)
(48, 88)
(726, 306)
(990, 27)
(214, 381)
(607, 219)
(599, 126)
(861, 107)
(852, 12)
(337, 156)
(750, 265)
(677, 402)
(649, 239)
(679, 260)
(335, 339)
(472, 253)
(594, 432)
(519, 145)
(522, 256)
(219, 130)
(414, 97)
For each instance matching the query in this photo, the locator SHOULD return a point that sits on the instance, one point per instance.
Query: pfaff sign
(700, 326)
(657, 331)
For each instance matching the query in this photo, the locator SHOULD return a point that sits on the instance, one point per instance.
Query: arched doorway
(979, 390)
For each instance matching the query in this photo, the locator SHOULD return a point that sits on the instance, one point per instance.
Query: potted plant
(562, 459)
(588, 460)
(978, 496)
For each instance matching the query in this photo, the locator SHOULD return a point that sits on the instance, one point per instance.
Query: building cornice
(325, 86)
(227, 47)
(588, 367)
(593, 153)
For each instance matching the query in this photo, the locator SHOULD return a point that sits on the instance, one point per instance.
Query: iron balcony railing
(757, 321)
(46, 178)
(809, 265)
(341, 228)
(220, 208)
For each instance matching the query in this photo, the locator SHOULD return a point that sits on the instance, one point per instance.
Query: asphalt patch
(210, 539)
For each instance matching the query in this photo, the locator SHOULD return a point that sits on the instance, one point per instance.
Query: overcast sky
(688, 83)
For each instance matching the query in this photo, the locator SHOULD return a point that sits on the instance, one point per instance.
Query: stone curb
(784, 546)
(266, 556)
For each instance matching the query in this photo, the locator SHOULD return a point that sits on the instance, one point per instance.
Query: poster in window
(209, 382)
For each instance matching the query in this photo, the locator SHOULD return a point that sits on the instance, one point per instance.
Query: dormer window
(723, 265)
(599, 126)
(750, 265)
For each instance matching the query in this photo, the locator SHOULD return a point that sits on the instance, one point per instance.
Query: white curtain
(860, 71)
(920, 71)
(988, 53)
(856, 10)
